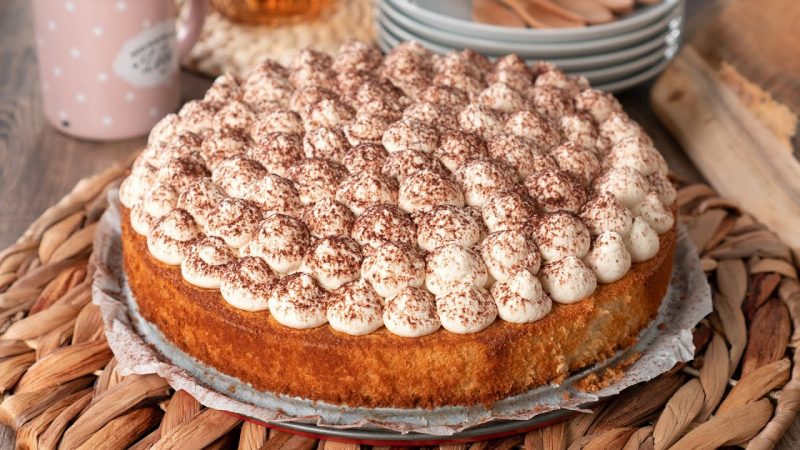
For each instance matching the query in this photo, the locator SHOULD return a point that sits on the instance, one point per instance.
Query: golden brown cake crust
(385, 370)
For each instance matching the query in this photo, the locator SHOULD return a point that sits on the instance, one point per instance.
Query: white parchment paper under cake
(141, 349)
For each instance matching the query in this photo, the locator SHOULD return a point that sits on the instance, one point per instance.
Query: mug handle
(189, 32)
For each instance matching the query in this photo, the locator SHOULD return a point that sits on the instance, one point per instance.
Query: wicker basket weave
(61, 389)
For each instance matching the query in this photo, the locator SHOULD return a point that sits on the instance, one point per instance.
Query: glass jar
(270, 12)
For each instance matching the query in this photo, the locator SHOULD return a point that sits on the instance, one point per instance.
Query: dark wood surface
(39, 165)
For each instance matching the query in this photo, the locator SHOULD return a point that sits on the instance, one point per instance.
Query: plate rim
(635, 79)
(628, 68)
(608, 86)
(571, 64)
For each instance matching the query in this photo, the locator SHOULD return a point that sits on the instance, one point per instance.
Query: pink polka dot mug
(109, 68)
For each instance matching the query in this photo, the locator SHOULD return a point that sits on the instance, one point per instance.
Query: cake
(409, 230)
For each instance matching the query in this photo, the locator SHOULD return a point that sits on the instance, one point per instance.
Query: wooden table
(38, 165)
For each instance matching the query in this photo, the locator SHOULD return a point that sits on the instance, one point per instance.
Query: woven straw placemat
(61, 389)
(226, 46)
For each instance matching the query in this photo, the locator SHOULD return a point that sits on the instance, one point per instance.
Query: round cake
(410, 230)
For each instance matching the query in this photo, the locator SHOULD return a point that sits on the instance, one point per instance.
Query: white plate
(606, 79)
(456, 15)
(407, 29)
(602, 71)
(596, 61)
(626, 69)
(641, 77)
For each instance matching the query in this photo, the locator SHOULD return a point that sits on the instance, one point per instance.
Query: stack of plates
(613, 56)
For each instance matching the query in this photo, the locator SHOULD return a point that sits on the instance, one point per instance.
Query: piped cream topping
(447, 224)
(655, 213)
(561, 234)
(556, 190)
(316, 178)
(600, 105)
(159, 201)
(466, 310)
(281, 241)
(411, 313)
(355, 309)
(206, 261)
(133, 189)
(431, 114)
(247, 284)
(501, 97)
(365, 157)
(171, 236)
(521, 298)
(277, 151)
(399, 165)
(618, 126)
(660, 184)
(516, 151)
(328, 143)
(530, 125)
(237, 175)
(356, 55)
(200, 199)
(280, 121)
(392, 267)
(398, 180)
(481, 179)
(551, 101)
(457, 148)
(425, 189)
(410, 134)
(221, 144)
(507, 252)
(384, 223)
(235, 221)
(275, 194)
(179, 172)
(328, 217)
(604, 212)
(481, 120)
(365, 128)
(637, 153)
(328, 113)
(447, 96)
(576, 160)
(624, 183)
(451, 267)
(608, 257)
(568, 280)
(642, 242)
(361, 190)
(297, 302)
(333, 261)
(578, 128)
(196, 116)
(508, 211)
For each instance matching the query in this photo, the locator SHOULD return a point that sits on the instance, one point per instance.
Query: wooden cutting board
(732, 99)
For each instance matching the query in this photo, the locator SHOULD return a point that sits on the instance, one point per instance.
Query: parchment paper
(134, 342)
